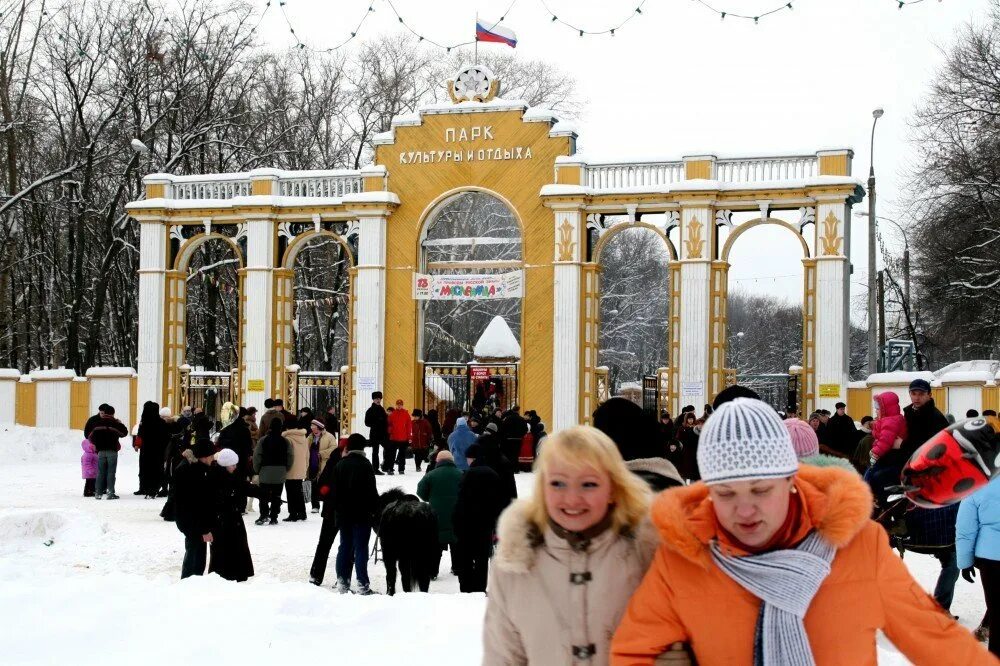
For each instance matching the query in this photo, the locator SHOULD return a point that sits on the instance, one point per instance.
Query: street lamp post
(872, 323)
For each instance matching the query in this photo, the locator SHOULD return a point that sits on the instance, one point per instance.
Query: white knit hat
(744, 440)
(227, 457)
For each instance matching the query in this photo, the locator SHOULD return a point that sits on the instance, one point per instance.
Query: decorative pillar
(831, 300)
(695, 276)
(718, 328)
(675, 338)
(259, 315)
(152, 309)
(568, 316)
(807, 379)
(284, 343)
(369, 323)
(590, 340)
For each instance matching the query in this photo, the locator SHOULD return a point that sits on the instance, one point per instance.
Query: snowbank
(27, 529)
(24, 444)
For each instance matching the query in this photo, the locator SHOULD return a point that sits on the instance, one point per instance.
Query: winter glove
(676, 655)
(872, 459)
(969, 574)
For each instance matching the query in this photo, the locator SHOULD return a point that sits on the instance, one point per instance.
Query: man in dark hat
(104, 430)
(843, 435)
(195, 505)
(378, 428)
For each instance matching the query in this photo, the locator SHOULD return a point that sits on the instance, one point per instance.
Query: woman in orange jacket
(766, 562)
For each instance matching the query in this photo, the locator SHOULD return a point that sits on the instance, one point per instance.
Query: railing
(324, 186)
(766, 168)
(613, 176)
(616, 176)
(209, 189)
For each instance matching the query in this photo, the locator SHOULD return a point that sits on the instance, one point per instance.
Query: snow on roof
(980, 365)
(899, 377)
(438, 387)
(497, 341)
(110, 372)
(9, 373)
(978, 376)
(61, 373)
(629, 386)
(597, 157)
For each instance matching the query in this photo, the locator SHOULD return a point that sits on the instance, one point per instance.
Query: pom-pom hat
(745, 440)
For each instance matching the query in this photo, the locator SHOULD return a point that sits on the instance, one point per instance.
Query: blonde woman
(569, 557)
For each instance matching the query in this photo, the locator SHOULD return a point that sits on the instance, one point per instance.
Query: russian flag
(496, 33)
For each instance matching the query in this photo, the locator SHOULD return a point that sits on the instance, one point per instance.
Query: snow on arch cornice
(529, 114)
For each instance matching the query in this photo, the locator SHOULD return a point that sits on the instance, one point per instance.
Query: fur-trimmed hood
(520, 540)
(836, 501)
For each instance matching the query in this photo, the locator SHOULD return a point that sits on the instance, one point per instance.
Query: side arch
(740, 229)
(303, 239)
(617, 228)
(183, 259)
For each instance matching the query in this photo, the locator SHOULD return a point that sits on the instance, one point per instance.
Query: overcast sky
(677, 80)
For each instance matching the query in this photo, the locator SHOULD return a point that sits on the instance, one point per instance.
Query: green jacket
(440, 488)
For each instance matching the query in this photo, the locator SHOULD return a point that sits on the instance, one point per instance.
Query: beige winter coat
(536, 615)
(327, 445)
(300, 450)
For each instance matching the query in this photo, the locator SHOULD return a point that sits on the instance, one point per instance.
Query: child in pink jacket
(88, 466)
(888, 426)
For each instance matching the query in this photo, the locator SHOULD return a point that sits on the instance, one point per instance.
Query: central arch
(463, 232)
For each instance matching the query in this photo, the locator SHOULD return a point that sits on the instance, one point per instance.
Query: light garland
(553, 18)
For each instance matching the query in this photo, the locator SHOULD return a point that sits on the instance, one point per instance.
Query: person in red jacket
(888, 429)
(400, 431)
(420, 438)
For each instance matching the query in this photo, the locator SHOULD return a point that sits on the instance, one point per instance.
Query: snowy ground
(96, 582)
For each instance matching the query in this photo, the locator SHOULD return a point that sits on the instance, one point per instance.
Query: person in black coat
(688, 438)
(230, 553)
(153, 439)
(328, 530)
(489, 450)
(843, 435)
(512, 431)
(196, 489)
(355, 501)
(377, 422)
(481, 499)
(236, 436)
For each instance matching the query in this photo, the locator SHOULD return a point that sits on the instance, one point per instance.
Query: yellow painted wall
(518, 181)
(79, 404)
(859, 402)
(25, 409)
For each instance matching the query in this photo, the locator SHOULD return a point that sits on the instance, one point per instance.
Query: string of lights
(554, 17)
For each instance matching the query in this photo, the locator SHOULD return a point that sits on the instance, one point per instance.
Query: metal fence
(778, 390)
(469, 386)
(319, 391)
(206, 389)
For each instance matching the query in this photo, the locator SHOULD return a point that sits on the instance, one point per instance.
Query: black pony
(407, 529)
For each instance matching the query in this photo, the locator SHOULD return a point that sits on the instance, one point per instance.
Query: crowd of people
(638, 530)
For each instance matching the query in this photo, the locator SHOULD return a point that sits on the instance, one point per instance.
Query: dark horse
(407, 529)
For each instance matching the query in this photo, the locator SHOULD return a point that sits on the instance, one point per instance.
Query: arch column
(571, 308)
(258, 381)
(694, 316)
(152, 310)
(369, 331)
(832, 315)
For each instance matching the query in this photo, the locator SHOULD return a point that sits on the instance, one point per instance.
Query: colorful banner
(467, 287)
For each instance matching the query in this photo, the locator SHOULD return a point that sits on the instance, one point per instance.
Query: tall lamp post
(872, 317)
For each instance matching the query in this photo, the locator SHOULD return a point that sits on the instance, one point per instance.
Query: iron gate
(650, 395)
(778, 390)
(319, 391)
(469, 386)
(206, 389)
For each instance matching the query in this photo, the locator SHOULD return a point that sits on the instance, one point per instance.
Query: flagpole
(476, 58)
